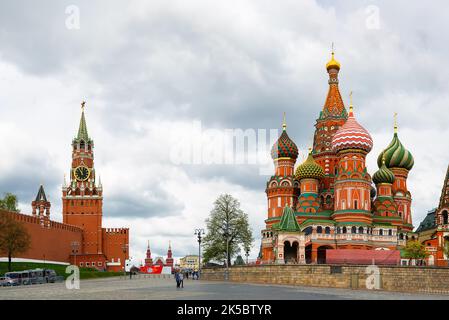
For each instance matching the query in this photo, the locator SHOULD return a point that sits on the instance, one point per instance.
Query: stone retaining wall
(392, 278)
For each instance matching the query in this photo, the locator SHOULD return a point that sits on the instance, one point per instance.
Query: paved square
(165, 289)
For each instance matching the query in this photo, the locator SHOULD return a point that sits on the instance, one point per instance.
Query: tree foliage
(415, 250)
(14, 238)
(227, 223)
(9, 202)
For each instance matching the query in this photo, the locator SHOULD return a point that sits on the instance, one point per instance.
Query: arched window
(360, 229)
(319, 229)
(338, 230)
(390, 232)
(308, 230)
(381, 232)
(327, 230)
(344, 230)
(353, 229)
(356, 204)
(401, 236)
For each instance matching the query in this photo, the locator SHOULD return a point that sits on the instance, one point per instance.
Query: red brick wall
(51, 244)
(113, 241)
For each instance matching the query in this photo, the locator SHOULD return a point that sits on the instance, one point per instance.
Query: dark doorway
(321, 254)
(290, 252)
(308, 252)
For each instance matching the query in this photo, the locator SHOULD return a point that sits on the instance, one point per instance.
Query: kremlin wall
(51, 241)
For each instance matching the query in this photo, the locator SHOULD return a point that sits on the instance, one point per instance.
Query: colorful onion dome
(383, 175)
(284, 146)
(332, 63)
(396, 156)
(309, 169)
(352, 135)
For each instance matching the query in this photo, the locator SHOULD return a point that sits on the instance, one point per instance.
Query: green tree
(415, 250)
(239, 261)
(14, 238)
(227, 230)
(9, 202)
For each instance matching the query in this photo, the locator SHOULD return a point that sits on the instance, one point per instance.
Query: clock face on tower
(82, 173)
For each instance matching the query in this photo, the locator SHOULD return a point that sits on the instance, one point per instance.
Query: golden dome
(333, 64)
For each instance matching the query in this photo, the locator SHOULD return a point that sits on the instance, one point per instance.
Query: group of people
(180, 276)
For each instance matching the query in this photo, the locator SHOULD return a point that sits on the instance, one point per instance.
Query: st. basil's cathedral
(331, 201)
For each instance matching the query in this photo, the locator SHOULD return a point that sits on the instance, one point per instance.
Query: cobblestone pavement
(165, 289)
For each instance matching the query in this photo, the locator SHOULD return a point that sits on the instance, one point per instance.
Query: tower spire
(284, 124)
(351, 106)
(395, 122)
(82, 131)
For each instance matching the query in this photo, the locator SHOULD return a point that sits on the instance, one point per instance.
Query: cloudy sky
(152, 70)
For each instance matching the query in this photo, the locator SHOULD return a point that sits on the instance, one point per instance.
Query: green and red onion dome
(396, 156)
(352, 136)
(309, 169)
(383, 175)
(284, 147)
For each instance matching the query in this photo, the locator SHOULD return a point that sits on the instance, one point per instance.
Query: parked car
(8, 282)
(15, 278)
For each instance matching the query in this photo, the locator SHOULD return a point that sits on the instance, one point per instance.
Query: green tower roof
(396, 155)
(288, 221)
(309, 169)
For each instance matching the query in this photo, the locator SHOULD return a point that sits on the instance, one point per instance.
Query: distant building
(189, 262)
(159, 261)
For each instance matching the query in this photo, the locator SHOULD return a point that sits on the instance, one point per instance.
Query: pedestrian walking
(181, 280)
(177, 279)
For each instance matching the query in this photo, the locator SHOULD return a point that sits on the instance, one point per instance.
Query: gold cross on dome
(395, 122)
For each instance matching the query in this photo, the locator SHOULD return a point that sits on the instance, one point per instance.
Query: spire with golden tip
(284, 124)
(333, 64)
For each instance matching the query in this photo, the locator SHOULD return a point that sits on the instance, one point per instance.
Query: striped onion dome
(309, 169)
(284, 147)
(383, 175)
(352, 136)
(396, 156)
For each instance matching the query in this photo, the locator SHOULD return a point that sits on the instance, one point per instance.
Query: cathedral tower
(282, 189)
(309, 174)
(332, 117)
(353, 183)
(82, 198)
(400, 161)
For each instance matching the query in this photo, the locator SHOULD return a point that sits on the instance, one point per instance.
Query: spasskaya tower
(83, 198)
(82, 206)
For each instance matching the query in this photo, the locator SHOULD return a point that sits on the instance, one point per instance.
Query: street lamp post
(75, 246)
(124, 248)
(247, 255)
(199, 232)
(226, 234)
